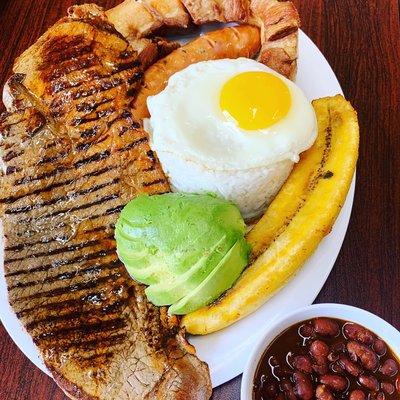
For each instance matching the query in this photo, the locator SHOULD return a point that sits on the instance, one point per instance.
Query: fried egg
(233, 127)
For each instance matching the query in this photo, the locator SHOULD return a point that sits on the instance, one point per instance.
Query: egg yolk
(255, 99)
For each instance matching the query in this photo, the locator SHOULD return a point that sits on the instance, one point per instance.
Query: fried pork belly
(278, 21)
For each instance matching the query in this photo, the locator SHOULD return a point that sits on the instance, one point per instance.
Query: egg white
(203, 150)
(186, 119)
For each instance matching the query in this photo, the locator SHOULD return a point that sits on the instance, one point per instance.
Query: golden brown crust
(204, 11)
(136, 19)
(70, 389)
(133, 19)
(170, 12)
(278, 20)
(241, 41)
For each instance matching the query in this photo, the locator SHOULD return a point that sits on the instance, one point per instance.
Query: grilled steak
(72, 157)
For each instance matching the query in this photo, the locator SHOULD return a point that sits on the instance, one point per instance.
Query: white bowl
(348, 313)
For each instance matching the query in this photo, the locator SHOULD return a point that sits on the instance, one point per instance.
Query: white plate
(226, 352)
(347, 313)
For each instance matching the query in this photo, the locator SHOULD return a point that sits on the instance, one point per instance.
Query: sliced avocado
(171, 290)
(161, 238)
(148, 275)
(220, 279)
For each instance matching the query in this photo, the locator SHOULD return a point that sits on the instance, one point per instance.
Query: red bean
(287, 389)
(357, 395)
(332, 356)
(349, 366)
(321, 369)
(380, 347)
(338, 347)
(280, 396)
(303, 387)
(302, 364)
(337, 368)
(358, 333)
(306, 331)
(369, 381)
(319, 352)
(326, 327)
(323, 393)
(387, 387)
(283, 372)
(335, 382)
(389, 368)
(271, 390)
(336, 351)
(367, 357)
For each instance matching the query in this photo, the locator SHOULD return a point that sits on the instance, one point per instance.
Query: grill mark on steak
(64, 305)
(13, 199)
(106, 355)
(103, 86)
(59, 250)
(112, 340)
(110, 211)
(67, 275)
(58, 200)
(155, 182)
(87, 329)
(99, 114)
(78, 164)
(12, 170)
(76, 314)
(79, 63)
(90, 106)
(102, 200)
(51, 159)
(62, 168)
(83, 158)
(87, 257)
(28, 179)
(109, 81)
(11, 155)
(72, 288)
(64, 48)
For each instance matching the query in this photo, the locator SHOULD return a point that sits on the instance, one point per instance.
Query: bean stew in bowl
(324, 357)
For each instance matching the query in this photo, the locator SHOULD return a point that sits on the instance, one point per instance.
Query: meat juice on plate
(325, 359)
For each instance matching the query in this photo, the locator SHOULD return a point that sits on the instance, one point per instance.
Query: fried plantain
(296, 221)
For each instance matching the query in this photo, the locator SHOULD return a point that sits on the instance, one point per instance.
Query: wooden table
(361, 40)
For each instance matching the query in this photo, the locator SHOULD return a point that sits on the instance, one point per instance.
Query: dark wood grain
(361, 41)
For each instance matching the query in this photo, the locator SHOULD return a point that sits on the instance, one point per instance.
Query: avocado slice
(162, 237)
(220, 279)
(171, 290)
